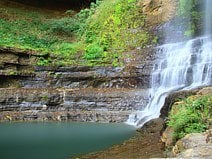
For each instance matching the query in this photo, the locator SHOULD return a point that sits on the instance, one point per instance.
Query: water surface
(58, 140)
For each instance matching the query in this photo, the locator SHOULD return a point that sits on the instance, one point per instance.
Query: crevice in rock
(57, 4)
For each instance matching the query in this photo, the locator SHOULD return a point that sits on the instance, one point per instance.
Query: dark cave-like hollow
(57, 4)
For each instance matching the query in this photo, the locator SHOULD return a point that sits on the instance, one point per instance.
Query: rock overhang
(57, 4)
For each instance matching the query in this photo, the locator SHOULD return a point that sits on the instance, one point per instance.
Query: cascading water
(181, 66)
(208, 18)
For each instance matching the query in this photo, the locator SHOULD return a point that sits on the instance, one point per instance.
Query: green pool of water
(58, 140)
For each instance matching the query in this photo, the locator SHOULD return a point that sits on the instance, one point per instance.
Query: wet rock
(167, 137)
(153, 126)
(172, 98)
(193, 146)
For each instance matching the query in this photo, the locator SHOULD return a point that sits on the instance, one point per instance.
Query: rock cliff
(74, 93)
(59, 104)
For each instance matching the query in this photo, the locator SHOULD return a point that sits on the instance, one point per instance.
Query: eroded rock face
(96, 105)
(77, 93)
(159, 11)
(17, 69)
(85, 77)
(173, 97)
(56, 93)
(15, 65)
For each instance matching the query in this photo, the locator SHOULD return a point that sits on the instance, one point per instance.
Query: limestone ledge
(94, 105)
(19, 68)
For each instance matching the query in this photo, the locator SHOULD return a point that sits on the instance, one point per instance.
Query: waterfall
(180, 66)
(208, 18)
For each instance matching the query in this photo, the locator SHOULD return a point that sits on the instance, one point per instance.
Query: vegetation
(118, 28)
(191, 10)
(191, 115)
(95, 36)
(44, 32)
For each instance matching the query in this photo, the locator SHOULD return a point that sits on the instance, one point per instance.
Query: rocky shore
(145, 144)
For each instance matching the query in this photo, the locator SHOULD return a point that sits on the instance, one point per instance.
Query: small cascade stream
(179, 66)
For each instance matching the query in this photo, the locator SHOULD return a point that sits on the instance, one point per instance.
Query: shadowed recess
(57, 4)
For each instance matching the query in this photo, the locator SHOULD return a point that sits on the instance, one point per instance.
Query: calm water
(58, 140)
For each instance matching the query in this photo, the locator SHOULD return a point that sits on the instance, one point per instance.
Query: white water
(208, 18)
(181, 66)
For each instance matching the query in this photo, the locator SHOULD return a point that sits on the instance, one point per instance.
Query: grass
(26, 29)
(33, 29)
(95, 36)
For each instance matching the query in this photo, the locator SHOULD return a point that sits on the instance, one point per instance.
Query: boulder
(193, 146)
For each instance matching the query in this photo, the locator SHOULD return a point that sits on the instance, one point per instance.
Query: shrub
(117, 27)
(93, 51)
(64, 26)
(192, 116)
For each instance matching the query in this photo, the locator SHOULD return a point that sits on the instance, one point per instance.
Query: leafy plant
(64, 26)
(43, 61)
(192, 116)
(93, 51)
(116, 26)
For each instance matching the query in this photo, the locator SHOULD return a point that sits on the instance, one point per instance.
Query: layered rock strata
(77, 93)
(94, 105)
